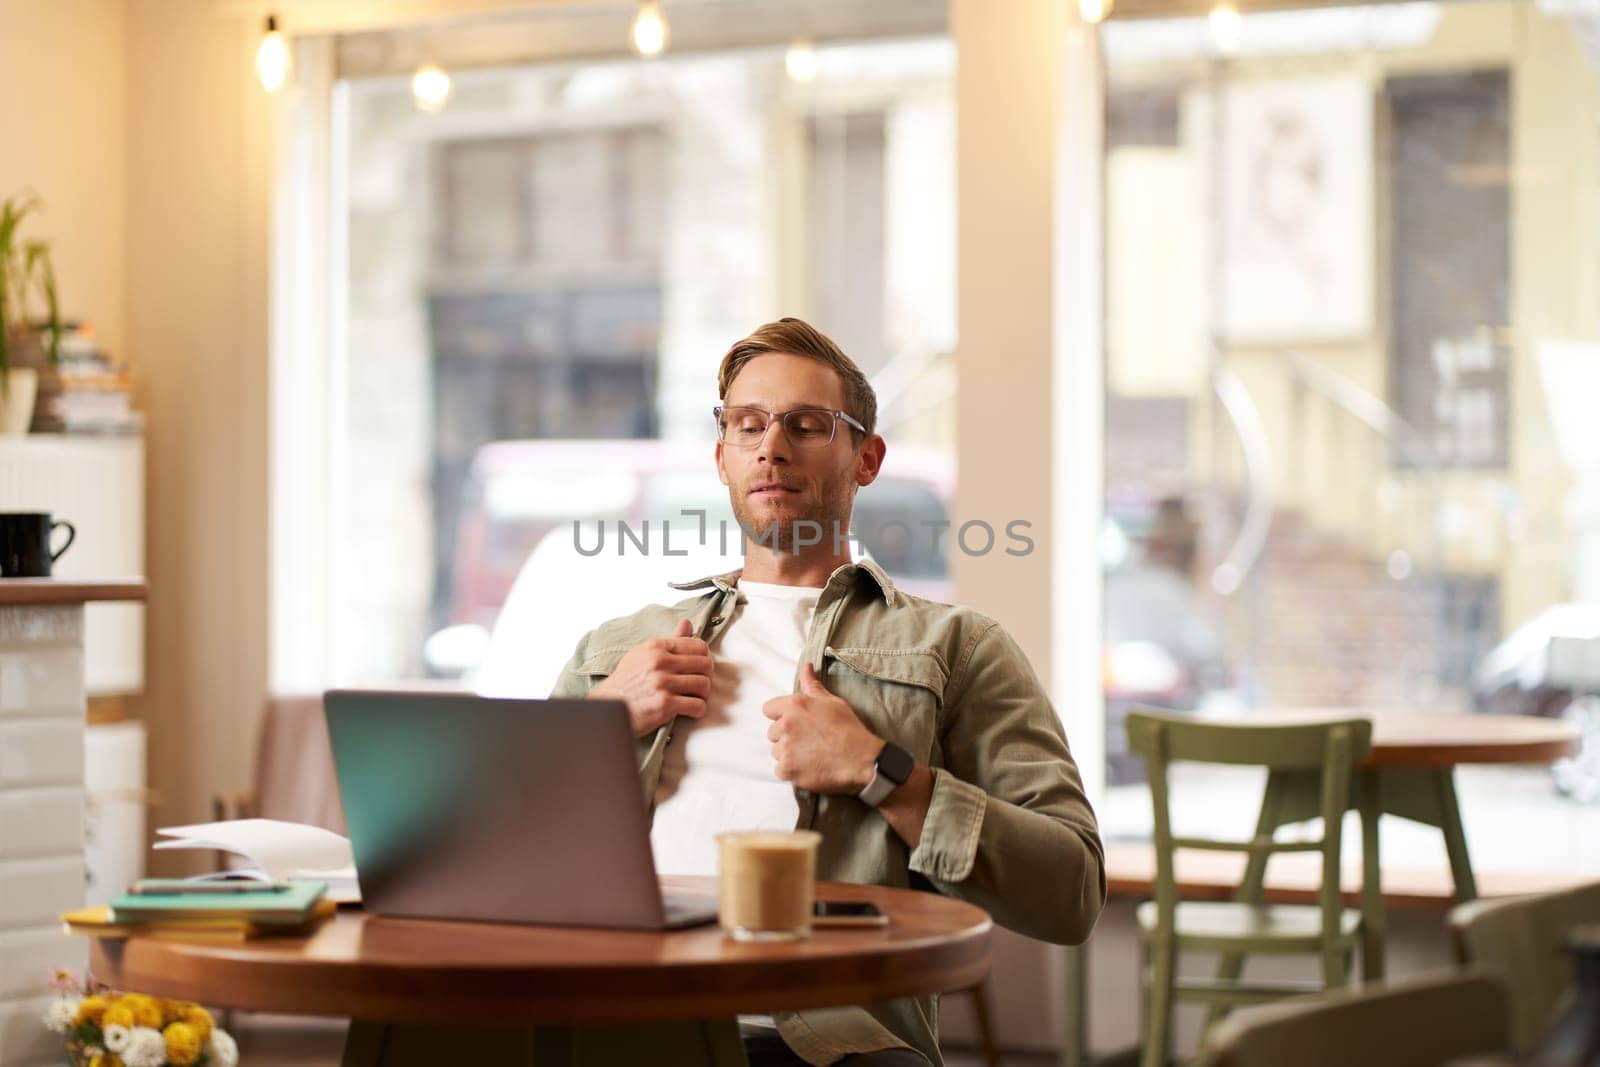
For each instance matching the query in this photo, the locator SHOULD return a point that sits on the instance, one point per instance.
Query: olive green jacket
(1008, 829)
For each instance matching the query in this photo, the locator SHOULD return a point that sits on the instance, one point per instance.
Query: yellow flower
(110, 1059)
(90, 1009)
(200, 1019)
(146, 1012)
(172, 1011)
(118, 1014)
(183, 1044)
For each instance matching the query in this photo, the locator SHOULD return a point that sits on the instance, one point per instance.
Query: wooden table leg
(708, 1043)
(1455, 836)
(363, 1044)
(1075, 1046)
(1369, 798)
(1428, 796)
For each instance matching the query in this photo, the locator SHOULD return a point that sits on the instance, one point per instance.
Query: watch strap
(877, 789)
(892, 768)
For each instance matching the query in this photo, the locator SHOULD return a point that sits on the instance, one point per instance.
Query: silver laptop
(531, 811)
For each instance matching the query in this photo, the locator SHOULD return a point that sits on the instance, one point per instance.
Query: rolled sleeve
(949, 845)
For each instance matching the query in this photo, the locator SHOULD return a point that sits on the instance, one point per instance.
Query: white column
(1031, 395)
(1030, 398)
(42, 706)
(1008, 111)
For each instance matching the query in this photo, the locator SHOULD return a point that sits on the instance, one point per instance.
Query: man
(805, 691)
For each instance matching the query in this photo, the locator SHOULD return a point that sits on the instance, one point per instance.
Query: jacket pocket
(598, 663)
(897, 693)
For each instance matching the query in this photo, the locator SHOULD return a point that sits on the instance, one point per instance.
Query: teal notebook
(292, 905)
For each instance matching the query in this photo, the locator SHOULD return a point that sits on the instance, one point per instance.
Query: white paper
(280, 849)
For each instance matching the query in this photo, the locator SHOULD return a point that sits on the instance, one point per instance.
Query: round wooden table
(1409, 773)
(1422, 740)
(591, 995)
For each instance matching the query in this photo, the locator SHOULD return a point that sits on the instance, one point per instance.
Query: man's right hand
(660, 679)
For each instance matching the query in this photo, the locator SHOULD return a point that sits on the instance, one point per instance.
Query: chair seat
(1258, 928)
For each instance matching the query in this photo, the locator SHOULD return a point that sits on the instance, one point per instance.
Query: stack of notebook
(207, 914)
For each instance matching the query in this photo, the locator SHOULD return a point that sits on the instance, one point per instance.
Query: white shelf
(97, 484)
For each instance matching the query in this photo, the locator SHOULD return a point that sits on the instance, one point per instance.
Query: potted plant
(25, 272)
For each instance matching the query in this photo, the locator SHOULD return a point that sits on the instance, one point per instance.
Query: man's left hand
(817, 741)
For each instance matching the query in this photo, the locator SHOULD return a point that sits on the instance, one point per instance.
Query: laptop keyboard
(688, 907)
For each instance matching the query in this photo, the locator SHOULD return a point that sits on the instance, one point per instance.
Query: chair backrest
(1327, 748)
(1520, 939)
(1424, 1021)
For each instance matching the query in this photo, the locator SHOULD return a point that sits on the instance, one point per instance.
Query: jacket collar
(846, 573)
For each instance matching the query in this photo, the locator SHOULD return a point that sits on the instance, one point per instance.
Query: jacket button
(715, 619)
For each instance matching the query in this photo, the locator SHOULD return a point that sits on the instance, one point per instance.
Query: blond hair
(798, 338)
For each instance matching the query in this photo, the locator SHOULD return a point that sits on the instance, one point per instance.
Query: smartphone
(847, 913)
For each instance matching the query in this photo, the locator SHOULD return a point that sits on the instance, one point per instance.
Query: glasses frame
(782, 417)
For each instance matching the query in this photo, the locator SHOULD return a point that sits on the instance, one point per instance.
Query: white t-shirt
(718, 773)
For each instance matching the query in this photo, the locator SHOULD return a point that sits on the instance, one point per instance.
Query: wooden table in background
(433, 991)
(1410, 773)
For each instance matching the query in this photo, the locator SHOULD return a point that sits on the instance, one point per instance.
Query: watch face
(895, 763)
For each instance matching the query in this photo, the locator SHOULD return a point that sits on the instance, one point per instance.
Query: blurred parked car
(1550, 666)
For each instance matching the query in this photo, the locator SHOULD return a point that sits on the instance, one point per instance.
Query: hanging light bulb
(1225, 22)
(801, 61)
(1094, 11)
(649, 30)
(272, 58)
(431, 88)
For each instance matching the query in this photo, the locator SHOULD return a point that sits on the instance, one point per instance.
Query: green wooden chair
(1328, 930)
(1421, 1021)
(1520, 939)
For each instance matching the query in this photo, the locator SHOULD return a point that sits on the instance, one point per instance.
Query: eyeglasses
(744, 427)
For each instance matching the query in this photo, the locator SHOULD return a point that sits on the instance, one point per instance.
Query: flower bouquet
(107, 1029)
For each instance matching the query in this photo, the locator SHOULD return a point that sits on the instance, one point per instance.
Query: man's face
(775, 484)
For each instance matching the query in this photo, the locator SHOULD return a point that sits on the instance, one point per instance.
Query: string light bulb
(431, 88)
(1093, 12)
(1225, 22)
(800, 61)
(649, 31)
(272, 57)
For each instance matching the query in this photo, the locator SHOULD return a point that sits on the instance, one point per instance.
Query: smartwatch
(892, 767)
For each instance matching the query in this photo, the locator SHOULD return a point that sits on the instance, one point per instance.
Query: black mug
(25, 543)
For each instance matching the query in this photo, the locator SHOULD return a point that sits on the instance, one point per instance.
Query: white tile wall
(34, 889)
(49, 679)
(42, 701)
(29, 956)
(39, 822)
(41, 751)
(22, 1039)
(35, 627)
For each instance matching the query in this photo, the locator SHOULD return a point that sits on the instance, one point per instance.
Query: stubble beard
(830, 514)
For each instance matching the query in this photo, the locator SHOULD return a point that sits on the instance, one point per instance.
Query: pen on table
(150, 887)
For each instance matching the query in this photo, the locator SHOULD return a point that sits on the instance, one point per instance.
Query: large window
(536, 283)
(1351, 264)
